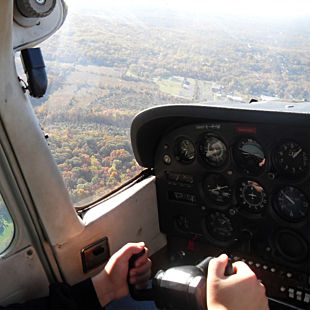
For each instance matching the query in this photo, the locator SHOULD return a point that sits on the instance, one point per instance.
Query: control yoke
(182, 287)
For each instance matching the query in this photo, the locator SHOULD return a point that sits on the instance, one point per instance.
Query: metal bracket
(95, 254)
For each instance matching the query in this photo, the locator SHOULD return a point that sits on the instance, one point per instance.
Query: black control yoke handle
(203, 266)
(159, 286)
(145, 294)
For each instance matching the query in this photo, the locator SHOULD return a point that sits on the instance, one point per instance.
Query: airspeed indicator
(213, 150)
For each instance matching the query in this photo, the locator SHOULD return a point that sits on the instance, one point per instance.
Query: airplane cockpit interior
(198, 165)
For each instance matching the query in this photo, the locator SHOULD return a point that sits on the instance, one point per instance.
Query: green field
(7, 236)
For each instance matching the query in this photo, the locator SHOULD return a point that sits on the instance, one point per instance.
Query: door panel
(130, 216)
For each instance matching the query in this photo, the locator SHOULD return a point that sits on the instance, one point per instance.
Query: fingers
(142, 269)
(130, 249)
(141, 273)
(140, 279)
(242, 269)
(217, 266)
(142, 259)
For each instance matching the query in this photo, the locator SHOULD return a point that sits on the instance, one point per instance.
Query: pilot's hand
(240, 291)
(111, 282)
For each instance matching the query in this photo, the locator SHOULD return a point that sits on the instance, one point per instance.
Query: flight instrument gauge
(291, 204)
(213, 150)
(217, 189)
(251, 196)
(219, 226)
(182, 223)
(249, 156)
(291, 160)
(185, 150)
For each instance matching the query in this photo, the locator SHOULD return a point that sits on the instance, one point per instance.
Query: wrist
(216, 305)
(104, 291)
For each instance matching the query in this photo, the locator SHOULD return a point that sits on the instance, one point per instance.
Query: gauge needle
(218, 188)
(294, 155)
(251, 154)
(252, 195)
(288, 198)
(212, 152)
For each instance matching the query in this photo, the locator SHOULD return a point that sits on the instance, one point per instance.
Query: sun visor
(36, 20)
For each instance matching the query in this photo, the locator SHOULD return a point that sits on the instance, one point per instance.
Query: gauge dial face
(182, 223)
(291, 204)
(291, 159)
(252, 196)
(185, 150)
(249, 156)
(219, 226)
(217, 189)
(213, 151)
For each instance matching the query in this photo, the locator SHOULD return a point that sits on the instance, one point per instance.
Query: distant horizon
(264, 8)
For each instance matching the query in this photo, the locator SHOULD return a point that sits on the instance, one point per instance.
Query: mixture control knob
(35, 8)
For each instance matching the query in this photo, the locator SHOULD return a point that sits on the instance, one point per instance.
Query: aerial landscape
(103, 69)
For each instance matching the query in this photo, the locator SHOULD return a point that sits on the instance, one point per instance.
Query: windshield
(109, 61)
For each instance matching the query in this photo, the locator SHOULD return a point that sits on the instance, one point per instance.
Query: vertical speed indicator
(291, 204)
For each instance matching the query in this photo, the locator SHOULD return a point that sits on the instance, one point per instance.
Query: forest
(103, 71)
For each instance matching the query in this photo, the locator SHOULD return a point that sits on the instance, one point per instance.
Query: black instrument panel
(237, 180)
(237, 185)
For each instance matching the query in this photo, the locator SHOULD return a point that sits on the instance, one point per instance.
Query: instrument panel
(237, 181)
(244, 186)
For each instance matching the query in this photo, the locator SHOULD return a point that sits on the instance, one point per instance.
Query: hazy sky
(236, 7)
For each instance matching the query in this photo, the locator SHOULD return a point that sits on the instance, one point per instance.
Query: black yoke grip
(132, 290)
(229, 270)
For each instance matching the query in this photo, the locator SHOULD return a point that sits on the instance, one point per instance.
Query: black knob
(35, 8)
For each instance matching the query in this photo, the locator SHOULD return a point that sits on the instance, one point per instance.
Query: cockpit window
(6, 227)
(112, 59)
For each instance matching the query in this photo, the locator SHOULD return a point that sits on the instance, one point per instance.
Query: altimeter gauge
(291, 159)
(291, 204)
(217, 189)
(213, 150)
(251, 196)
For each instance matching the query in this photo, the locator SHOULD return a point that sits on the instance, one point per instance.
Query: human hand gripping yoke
(182, 287)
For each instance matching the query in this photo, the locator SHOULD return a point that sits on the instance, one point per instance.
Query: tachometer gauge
(219, 226)
(213, 151)
(249, 156)
(251, 196)
(291, 204)
(217, 189)
(291, 160)
(185, 150)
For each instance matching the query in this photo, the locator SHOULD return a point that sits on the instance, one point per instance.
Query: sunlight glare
(276, 8)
